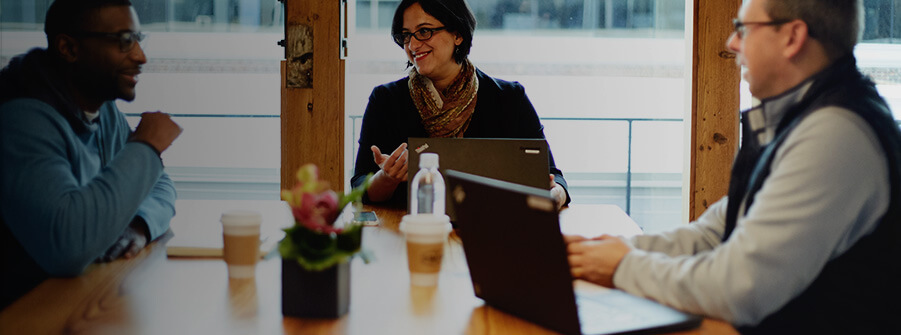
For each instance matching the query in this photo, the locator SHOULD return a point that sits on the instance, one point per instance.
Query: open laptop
(520, 161)
(518, 263)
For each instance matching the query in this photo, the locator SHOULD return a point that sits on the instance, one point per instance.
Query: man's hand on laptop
(596, 259)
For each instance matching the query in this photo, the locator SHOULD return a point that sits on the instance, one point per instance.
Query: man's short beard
(101, 88)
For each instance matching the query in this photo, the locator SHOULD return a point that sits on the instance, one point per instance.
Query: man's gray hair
(837, 24)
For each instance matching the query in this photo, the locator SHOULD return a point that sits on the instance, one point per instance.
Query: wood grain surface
(153, 294)
(714, 104)
(312, 119)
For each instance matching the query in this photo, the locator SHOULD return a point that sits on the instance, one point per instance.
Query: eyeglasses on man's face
(126, 39)
(421, 35)
(741, 28)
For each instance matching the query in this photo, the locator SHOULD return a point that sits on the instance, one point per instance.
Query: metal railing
(629, 121)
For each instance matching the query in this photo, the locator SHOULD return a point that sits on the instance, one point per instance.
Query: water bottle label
(425, 198)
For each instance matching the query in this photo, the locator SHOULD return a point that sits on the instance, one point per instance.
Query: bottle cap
(428, 160)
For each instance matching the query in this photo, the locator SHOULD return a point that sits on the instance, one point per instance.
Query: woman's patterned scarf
(445, 114)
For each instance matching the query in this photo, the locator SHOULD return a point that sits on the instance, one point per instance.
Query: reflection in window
(883, 21)
(585, 15)
(167, 15)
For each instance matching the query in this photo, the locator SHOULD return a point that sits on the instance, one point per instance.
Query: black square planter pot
(315, 294)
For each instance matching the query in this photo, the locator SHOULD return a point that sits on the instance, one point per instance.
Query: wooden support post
(715, 104)
(312, 107)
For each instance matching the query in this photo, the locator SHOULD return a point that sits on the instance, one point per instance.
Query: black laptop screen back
(517, 260)
(520, 161)
(518, 263)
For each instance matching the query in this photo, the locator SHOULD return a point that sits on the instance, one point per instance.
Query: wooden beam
(312, 117)
(714, 104)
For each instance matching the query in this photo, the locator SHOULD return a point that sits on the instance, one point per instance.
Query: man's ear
(67, 47)
(797, 37)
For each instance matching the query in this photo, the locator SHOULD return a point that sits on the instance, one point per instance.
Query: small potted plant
(317, 249)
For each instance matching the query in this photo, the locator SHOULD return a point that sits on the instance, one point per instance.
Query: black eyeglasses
(740, 28)
(126, 39)
(421, 35)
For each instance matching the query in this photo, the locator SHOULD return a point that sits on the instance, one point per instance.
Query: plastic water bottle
(427, 191)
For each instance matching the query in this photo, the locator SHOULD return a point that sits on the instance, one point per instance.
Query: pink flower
(313, 204)
(318, 211)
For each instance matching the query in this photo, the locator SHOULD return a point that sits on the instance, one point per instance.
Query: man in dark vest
(807, 239)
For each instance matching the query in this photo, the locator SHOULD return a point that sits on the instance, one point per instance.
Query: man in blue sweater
(77, 185)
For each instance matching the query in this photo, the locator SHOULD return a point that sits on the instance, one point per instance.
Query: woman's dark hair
(69, 16)
(454, 14)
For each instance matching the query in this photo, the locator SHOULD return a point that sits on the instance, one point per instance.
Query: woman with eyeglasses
(445, 95)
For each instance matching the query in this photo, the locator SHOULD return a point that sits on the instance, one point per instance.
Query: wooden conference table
(156, 294)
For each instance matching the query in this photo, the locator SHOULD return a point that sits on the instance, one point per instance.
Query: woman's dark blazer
(502, 111)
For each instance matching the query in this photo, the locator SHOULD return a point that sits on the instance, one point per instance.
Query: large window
(213, 65)
(878, 54)
(608, 78)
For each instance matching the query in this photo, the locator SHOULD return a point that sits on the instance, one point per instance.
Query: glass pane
(878, 54)
(657, 174)
(597, 172)
(883, 21)
(224, 142)
(364, 21)
(606, 141)
(386, 13)
(167, 15)
(200, 54)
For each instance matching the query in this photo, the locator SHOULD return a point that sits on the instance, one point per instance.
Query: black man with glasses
(78, 185)
(445, 95)
(807, 240)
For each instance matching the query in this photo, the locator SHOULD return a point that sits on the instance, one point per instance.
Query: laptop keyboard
(596, 313)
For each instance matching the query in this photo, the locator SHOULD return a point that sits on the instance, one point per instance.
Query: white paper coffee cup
(241, 242)
(425, 235)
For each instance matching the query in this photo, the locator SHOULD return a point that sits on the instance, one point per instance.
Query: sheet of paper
(198, 232)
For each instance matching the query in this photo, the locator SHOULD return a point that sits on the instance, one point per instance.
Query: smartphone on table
(367, 218)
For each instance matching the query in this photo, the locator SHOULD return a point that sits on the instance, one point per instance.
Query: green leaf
(356, 194)
(316, 251)
(351, 238)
